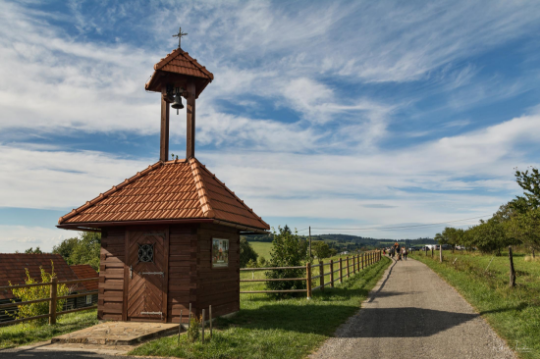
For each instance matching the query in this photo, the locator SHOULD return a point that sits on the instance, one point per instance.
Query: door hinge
(154, 273)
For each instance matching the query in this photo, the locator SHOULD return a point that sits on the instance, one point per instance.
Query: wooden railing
(52, 299)
(357, 263)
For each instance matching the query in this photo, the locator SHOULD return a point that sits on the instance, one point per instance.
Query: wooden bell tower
(177, 76)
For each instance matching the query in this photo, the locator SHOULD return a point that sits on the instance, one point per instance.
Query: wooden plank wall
(182, 271)
(111, 274)
(218, 287)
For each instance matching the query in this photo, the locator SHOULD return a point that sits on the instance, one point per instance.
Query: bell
(177, 104)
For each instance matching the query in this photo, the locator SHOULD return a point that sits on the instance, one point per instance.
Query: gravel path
(414, 313)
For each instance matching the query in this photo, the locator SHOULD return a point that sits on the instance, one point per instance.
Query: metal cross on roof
(179, 36)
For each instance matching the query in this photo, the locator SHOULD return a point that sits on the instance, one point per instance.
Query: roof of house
(13, 269)
(83, 271)
(174, 190)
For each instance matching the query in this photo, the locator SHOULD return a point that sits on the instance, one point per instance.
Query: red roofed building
(85, 271)
(170, 233)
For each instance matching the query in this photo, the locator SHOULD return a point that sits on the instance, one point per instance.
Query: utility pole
(310, 242)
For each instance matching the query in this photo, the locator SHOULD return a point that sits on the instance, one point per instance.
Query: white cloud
(19, 238)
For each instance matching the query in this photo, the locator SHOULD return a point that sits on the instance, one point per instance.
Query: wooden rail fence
(357, 263)
(53, 299)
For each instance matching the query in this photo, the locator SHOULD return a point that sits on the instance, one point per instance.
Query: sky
(385, 119)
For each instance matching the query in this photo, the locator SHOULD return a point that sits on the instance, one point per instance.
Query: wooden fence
(345, 267)
(53, 299)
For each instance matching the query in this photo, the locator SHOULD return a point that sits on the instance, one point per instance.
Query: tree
(525, 227)
(530, 182)
(490, 236)
(288, 250)
(87, 250)
(322, 250)
(66, 248)
(31, 250)
(247, 252)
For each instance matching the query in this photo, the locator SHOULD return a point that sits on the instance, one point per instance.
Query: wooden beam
(190, 121)
(164, 138)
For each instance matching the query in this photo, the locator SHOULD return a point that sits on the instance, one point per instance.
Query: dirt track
(415, 314)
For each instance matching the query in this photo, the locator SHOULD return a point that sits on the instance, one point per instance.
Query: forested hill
(350, 242)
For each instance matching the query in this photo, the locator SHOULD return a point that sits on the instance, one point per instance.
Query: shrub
(40, 292)
(288, 250)
(194, 329)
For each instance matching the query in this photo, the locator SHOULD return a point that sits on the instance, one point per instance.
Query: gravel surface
(414, 313)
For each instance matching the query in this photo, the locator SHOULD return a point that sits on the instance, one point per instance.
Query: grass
(262, 248)
(265, 328)
(514, 313)
(27, 333)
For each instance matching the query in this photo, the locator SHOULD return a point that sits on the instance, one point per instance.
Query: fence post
(321, 272)
(202, 327)
(52, 303)
(431, 252)
(440, 253)
(308, 280)
(354, 265)
(340, 270)
(331, 273)
(512, 282)
(358, 262)
(348, 268)
(210, 317)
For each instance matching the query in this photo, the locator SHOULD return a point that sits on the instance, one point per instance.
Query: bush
(34, 293)
(288, 250)
(194, 329)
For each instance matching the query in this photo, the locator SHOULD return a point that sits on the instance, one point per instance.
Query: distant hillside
(346, 242)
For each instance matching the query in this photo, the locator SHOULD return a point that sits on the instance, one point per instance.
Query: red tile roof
(13, 265)
(173, 190)
(83, 271)
(179, 62)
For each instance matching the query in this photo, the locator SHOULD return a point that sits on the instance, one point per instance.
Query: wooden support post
(202, 327)
(190, 121)
(331, 273)
(52, 303)
(340, 270)
(321, 272)
(358, 262)
(348, 268)
(310, 242)
(512, 270)
(180, 327)
(308, 280)
(440, 253)
(189, 319)
(362, 261)
(431, 252)
(354, 265)
(210, 318)
(164, 135)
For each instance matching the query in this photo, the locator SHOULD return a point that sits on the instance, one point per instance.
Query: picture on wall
(220, 252)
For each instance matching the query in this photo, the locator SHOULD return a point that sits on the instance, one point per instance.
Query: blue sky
(382, 119)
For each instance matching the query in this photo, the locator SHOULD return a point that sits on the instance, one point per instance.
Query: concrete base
(118, 333)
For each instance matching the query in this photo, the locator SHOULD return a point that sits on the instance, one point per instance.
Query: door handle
(130, 272)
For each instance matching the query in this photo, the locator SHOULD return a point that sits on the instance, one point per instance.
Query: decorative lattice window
(146, 253)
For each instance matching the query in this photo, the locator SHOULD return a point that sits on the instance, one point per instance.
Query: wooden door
(147, 277)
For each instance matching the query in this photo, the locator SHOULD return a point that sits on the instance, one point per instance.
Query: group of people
(396, 250)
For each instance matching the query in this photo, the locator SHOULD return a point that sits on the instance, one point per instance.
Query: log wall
(111, 274)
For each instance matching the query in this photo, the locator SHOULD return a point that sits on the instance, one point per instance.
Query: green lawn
(266, 328)
(513, 312)
(262, 248)
(26, 333)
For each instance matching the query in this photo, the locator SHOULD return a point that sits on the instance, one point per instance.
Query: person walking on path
(405, 253)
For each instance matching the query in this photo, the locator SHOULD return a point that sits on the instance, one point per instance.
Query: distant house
(13, 268)
(84, 271)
